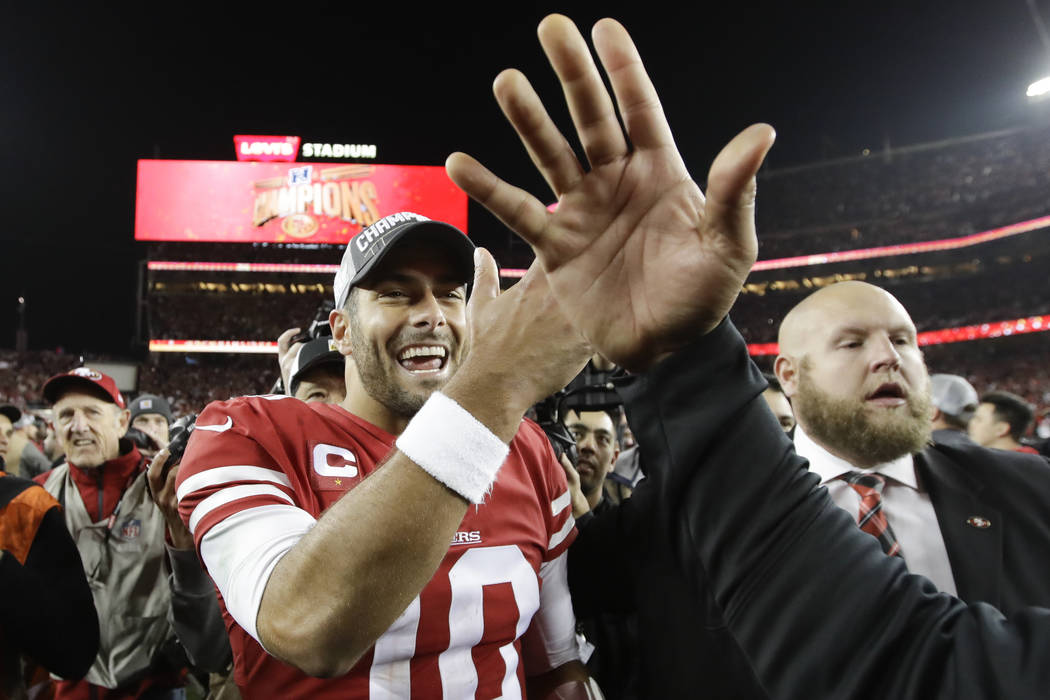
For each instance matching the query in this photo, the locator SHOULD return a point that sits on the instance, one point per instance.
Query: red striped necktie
(870, 517)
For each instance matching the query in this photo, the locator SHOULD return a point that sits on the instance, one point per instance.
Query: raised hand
(286, 351)
(161, 480)
(639, 259)
(522, 348)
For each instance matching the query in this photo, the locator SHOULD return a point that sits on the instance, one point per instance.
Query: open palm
(638, 258)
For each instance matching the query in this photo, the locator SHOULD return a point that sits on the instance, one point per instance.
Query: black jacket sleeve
(811, 600)
(195, 613)
(602, 561)
(47, 608)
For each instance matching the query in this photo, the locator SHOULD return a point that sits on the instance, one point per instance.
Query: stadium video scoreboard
(268, 196)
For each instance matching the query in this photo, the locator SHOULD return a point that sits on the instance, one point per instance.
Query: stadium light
(1039, 88)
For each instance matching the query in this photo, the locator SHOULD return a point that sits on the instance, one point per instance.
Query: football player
(392, 546)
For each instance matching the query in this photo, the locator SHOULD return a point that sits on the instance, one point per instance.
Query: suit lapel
(972, 529)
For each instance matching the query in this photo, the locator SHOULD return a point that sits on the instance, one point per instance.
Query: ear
(123, 420)
(340, 325)
(787, 373)
(1002, 429)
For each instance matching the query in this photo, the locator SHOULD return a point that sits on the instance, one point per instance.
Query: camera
(591, 390)
(180, 435)
(319, 327)
(548, 416)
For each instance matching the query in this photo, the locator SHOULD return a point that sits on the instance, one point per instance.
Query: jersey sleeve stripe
(242, 550)
(232, 493)
(561, 503)
(555, 623)
(559, 536)
(218, 476)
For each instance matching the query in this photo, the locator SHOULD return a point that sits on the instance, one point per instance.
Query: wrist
(491, 399)
(451, 445)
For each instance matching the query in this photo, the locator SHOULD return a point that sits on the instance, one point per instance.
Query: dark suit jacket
(993, 507)
(745, 558)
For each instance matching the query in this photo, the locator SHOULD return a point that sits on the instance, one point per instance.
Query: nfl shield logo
(131, 529)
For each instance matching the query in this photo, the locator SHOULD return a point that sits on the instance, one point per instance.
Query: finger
(516, 208)
(731, 181)
(549, 151)
(284, 340)
(589, 103)
(156, 468)
(643, 115)
(571, 475)
(169, 485)
(486, 275)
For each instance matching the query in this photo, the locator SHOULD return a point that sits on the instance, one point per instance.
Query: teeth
(422, 351)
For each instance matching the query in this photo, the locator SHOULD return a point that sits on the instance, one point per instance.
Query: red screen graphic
(247, 202)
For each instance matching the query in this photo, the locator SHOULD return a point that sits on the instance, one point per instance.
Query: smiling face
(853, 369)
(89, 428)
(403, 330)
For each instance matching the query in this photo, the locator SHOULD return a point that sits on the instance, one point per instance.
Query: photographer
(130, 547)
(195, 615)
(583, 423)
(152, 415)
(311, 366)
(314, 370)
(597, 450)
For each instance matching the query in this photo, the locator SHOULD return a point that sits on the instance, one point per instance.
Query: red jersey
(460, 637)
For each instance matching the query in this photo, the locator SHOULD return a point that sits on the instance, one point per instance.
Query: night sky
(86, 94)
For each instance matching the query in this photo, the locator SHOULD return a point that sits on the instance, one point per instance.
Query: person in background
(316, 372)
(954, 401)
(47, 617)
(9, 415)
(24, 458)
(152, 415)
(778, 403)
(121, 536)
(1001, 420)
(597, 449)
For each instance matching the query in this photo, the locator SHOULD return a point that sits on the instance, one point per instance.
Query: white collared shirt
(906, 504)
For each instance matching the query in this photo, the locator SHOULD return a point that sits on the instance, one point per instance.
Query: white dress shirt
(905, 502)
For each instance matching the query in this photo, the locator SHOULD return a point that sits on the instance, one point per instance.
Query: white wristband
(454, 447)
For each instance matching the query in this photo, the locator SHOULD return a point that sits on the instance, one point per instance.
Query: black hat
(150, 403)
(366, 249)
(12, 412)
(313, 353)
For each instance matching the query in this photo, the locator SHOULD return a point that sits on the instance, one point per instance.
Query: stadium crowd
(201, 533)
(905, 195)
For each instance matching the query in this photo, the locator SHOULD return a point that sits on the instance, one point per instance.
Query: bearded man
(850, 361)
